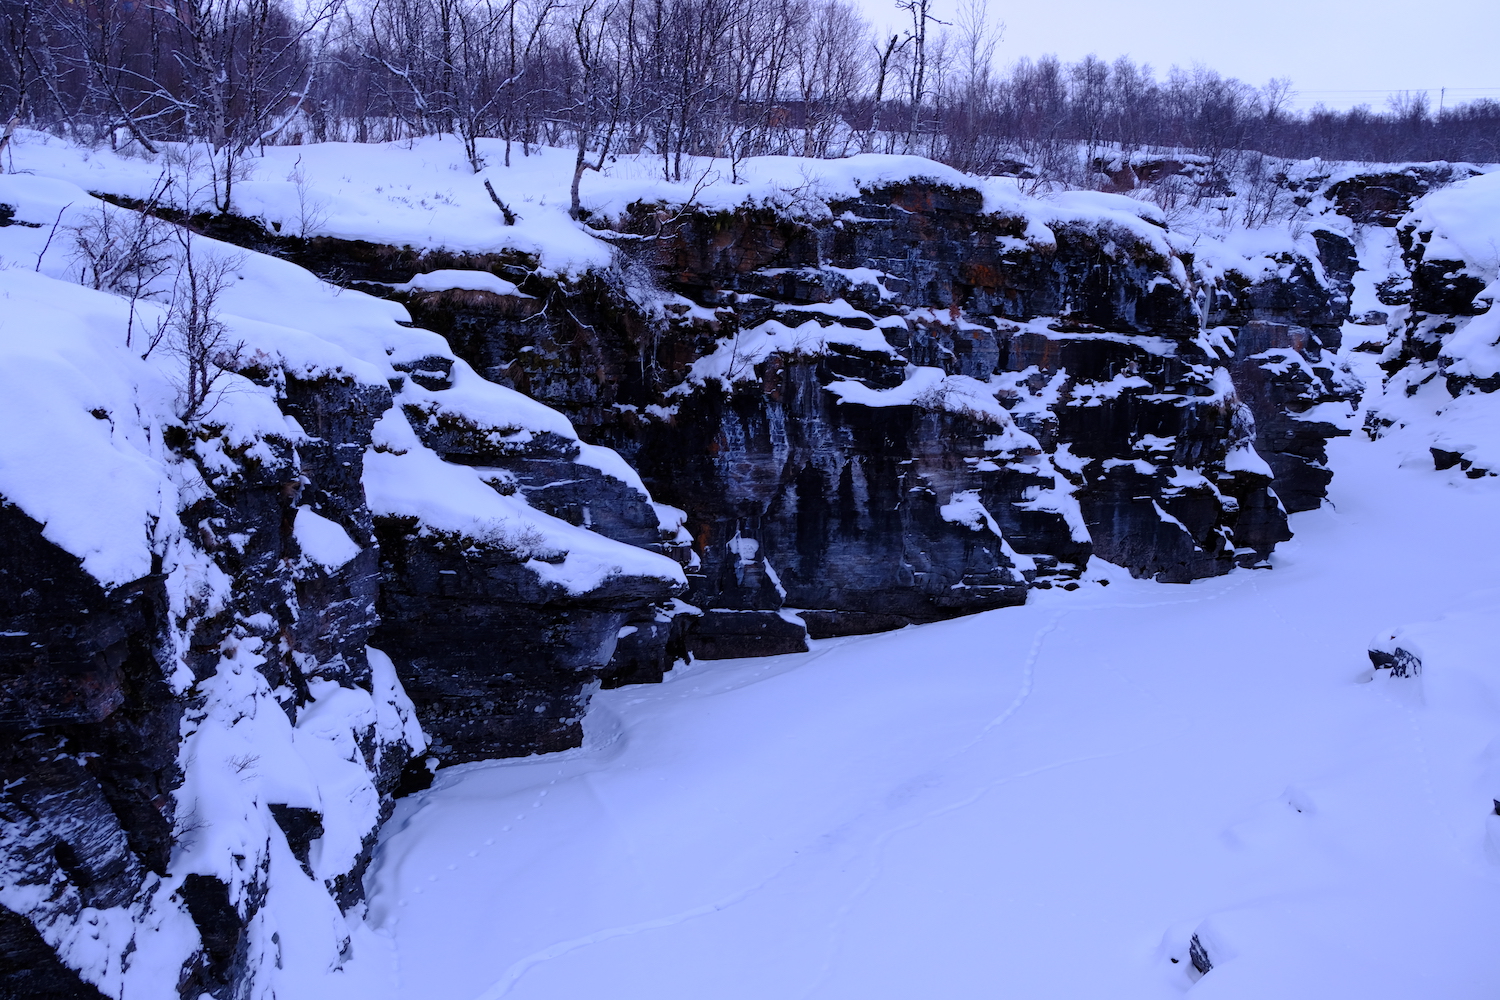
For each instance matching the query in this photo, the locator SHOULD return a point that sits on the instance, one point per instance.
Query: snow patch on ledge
(75, 456)
(929, 388)
(459, 280)
(404, 479)
(323, 541)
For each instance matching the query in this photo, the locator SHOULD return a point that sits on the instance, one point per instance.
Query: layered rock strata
(903, 406)
(205, 729)
(838, 417)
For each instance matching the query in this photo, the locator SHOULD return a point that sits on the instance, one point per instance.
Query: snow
(243, 754)
(1460, 224)
(424, 194)
(735, 358)
(1245, 458)
(1475, 350)
(514, 417)
(322, 540)
(1140, 219)
(965, 508)
(932, 388)
(403, 479)
(609, 462)
(473, 281)
(1464, 220)
(94, 482)
(1049, 800)
(1430, 418)
(397, 717)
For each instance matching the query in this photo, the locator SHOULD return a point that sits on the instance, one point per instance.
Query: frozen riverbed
(1046, 801)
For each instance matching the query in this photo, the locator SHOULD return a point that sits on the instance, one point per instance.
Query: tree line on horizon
(673, 78)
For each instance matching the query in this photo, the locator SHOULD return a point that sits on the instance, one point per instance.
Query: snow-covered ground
(1045, 801)
(423, 193)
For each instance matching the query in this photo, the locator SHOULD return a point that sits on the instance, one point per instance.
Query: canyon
(479, 487)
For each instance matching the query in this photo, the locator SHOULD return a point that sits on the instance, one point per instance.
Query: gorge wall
(424, 532)
(910, 407)
(1439, 346)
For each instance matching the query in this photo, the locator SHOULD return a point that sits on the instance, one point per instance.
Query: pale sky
(1342, 52)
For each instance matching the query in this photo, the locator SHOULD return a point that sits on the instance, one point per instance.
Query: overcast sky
(1342, 52)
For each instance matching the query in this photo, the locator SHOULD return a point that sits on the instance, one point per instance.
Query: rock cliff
(442, 508)
(1441, 355)
(903, 406)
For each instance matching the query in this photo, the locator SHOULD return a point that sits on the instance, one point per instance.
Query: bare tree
(967, 132)
(676, 78)
(921, 17)
(124, 251)
(246, 68)
(192, 330)
(599, 89)
(17, 71)
(883, 55)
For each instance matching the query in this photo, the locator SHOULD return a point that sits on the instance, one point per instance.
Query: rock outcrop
(1442, 357)
(1383, 197)
(94, 800)
(902, 406)
(497, 657)
(205, 731)
(764, 424)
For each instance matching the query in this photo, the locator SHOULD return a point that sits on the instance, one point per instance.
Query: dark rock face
(1400, 662)
(1198, 954)
(1434, 300)
(725, 634)
(95, 725)
(896, 410)
(1383, 197)
(800, 498)
(32, 971)
(497, 663)
(89, 758)
(1441, 296)
(1283, 328)
(218, 922)
(1285, 382)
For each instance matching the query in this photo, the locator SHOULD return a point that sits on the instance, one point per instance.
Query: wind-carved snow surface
(1065, 799)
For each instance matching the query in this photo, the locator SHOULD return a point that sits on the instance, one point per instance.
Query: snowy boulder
(1389, 652)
